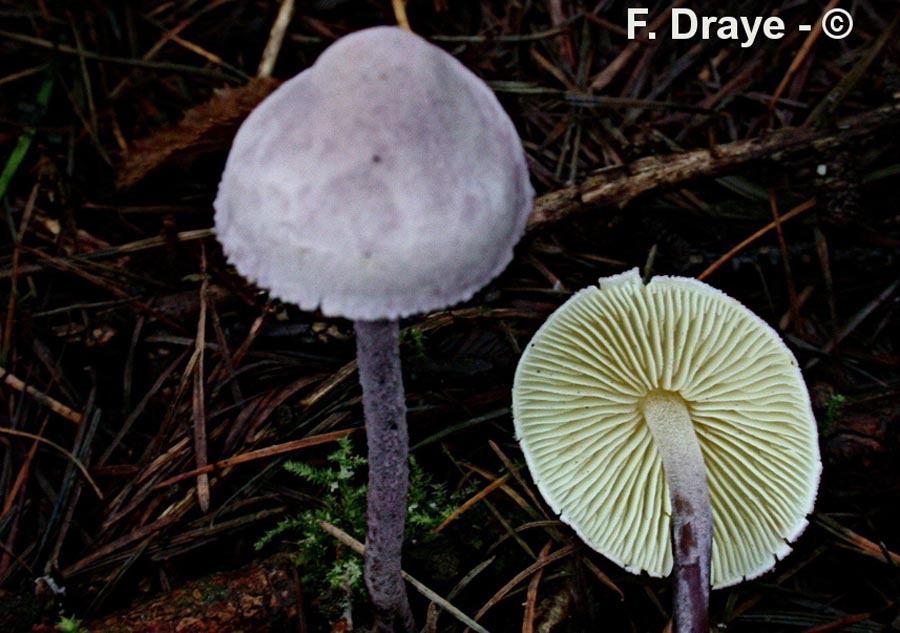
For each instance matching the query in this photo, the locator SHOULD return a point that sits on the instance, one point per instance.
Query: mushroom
(665, 417)
(383, 181)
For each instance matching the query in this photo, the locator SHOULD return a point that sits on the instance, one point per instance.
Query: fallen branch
(256, 598)
(617, 186)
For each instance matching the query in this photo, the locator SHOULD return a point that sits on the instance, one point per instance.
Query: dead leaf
(205, 129)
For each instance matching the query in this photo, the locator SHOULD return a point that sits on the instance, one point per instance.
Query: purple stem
(384, 405)
(692, 548)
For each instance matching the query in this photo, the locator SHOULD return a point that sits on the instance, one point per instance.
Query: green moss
(342, 502)
(834, 409)
(70, 625)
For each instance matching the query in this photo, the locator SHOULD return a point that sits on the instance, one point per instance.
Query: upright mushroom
(668, 412)
(384, 181)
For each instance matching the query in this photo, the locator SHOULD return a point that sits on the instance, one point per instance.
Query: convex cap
(385, 180)
(577, 406)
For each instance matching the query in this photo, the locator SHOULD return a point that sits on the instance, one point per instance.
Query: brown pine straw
(54, 405)
(793, 297)
(801, 56)
(400, 14)
(532, 593)
(608, 74)
(724, 259)
(198, 402)
(276, 39)
(430, 594)
(257, 454)
(60, 449)
(542, 562)
(24, 472)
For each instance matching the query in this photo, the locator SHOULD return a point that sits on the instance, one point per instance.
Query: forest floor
(132, 354)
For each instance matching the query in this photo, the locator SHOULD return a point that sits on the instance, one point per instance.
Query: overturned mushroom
(384, 181)
(668, 412)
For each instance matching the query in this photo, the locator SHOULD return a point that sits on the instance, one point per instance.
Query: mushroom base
(670, 423)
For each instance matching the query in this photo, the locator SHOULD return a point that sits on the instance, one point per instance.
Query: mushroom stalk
(384, 406)
(692, 525)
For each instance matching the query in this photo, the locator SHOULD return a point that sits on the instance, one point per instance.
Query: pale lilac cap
(385, 180)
